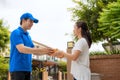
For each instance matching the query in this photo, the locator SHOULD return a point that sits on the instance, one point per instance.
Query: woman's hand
(58, 53)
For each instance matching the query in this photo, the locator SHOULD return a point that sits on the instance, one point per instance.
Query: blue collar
(21, 29)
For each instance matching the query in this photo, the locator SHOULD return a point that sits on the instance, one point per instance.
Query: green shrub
(114, 52)
(3, 68)
(97, 53)
(62, 65)
(105, 53)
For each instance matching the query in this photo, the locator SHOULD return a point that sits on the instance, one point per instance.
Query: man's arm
(37, 51)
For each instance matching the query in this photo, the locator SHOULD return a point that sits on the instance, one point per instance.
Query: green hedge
(4, 68)
(104, 53)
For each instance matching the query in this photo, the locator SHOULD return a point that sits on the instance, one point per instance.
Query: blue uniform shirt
(20, 61)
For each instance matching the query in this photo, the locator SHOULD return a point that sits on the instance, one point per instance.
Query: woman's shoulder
(82, 40)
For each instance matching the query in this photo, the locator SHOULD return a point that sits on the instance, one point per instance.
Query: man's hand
(58, 53)
(49, 51)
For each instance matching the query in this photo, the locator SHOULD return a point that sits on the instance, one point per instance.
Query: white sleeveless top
(80, 68)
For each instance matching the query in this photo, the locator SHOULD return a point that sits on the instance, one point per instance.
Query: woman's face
(76, 30)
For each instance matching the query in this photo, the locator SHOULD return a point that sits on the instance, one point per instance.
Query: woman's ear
(79, 29)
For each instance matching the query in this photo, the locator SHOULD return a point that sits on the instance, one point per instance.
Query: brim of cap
(34, 20)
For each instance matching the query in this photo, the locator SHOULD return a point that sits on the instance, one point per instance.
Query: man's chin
(29, 28)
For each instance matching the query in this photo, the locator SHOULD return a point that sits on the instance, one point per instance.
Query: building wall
(108, 66)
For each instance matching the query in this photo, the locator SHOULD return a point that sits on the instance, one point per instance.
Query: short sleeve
(16, 38)
(79, 45)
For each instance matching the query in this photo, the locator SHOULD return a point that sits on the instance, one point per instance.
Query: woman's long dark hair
(85, 31)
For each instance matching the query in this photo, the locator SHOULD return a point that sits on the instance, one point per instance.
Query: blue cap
(29, 16)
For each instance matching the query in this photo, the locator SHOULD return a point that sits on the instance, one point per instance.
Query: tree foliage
(4, 36)
(89, 12)
(109, 22)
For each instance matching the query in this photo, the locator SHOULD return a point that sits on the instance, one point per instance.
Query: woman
(80, 52)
